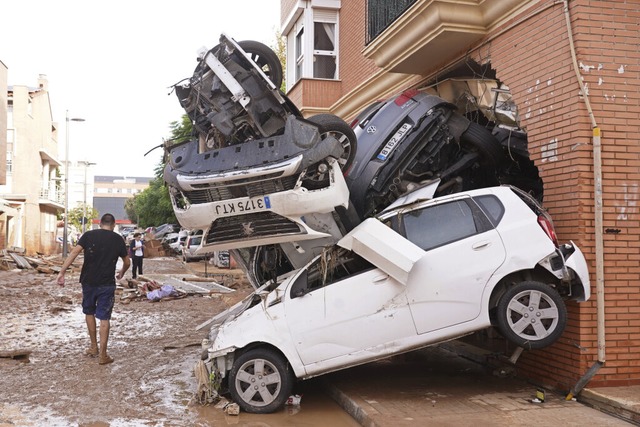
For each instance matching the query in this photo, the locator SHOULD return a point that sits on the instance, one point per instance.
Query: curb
(350, 406)
(617, 408)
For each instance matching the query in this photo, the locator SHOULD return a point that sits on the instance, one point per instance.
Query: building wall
(34, 163)
(112, 192)
(530, 52)
(3, 149)
(534, 60)
(3, 124)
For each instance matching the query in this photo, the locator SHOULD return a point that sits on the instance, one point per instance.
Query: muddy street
(50, 381)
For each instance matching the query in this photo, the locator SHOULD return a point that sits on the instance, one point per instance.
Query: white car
(424, 271)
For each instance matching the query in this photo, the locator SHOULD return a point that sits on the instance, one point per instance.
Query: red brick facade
(530, 53)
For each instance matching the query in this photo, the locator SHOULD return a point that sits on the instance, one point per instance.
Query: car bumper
(577, 263)
(291, 204)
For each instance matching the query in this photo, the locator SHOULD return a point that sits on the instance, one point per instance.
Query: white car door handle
(481, 245)
(379, 279)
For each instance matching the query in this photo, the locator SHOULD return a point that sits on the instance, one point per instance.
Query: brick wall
(530, 53)
(534, 60)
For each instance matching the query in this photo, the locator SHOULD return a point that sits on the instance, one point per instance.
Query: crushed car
(423, 271)
(257, 172)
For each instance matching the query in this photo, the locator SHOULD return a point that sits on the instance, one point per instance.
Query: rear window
(492, 208)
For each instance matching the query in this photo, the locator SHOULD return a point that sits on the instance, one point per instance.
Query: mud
(155, 346)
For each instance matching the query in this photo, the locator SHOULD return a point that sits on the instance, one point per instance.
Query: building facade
(33, 187)
(112, 192)
(572, 70)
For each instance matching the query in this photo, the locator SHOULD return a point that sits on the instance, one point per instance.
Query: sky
(113, 64)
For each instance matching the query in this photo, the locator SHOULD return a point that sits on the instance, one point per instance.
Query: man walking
(102, 248)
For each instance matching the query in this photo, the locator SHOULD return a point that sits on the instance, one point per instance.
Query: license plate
(393, 142)
(238, 207)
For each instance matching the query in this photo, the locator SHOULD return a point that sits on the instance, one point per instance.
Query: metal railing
(56, 196)
(382, 13)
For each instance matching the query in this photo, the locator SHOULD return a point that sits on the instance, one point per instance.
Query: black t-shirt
(102, 248)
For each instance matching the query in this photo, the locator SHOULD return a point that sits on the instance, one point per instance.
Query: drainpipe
(597, 196)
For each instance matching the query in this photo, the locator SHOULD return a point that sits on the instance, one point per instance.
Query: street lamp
(65, 240)
(84, 201)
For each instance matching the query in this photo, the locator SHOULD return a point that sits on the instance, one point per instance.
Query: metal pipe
(65, 230)
(599, 241)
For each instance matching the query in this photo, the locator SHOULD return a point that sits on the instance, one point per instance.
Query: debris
(232, 409)
(22, 355)
(294, 400)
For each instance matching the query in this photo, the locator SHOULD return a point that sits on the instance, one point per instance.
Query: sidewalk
(438, 387)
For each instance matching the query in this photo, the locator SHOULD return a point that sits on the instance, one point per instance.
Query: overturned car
(257, 172)
(425, 270)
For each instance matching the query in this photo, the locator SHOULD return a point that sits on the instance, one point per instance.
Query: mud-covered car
(425, 270)
(257, 172)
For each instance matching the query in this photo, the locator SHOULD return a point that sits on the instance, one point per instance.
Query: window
(441, 224)
(299, 53)
(312, 37)
(492, 207)
(324, 50)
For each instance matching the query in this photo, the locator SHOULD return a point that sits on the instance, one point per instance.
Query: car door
(462, 250)
(334, 311)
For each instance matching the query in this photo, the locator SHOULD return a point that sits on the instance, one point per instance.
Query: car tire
(481, 140)
(266, 59)
(260, 381)
(331, 125)
(532, 315)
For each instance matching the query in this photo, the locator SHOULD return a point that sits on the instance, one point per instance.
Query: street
(155, 346)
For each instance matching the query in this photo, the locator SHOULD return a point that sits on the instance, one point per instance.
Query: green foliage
(76, 214)
(153, 206)
(280, 48)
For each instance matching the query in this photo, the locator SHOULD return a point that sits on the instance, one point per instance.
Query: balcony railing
(56, 196)
(382, 13)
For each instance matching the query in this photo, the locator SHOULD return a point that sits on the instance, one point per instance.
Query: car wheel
(479, 139)
(266, 59)
(331, 125)
(531, 315)
(260, 381)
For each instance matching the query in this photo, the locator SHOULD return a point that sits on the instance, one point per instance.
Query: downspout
(597, 196)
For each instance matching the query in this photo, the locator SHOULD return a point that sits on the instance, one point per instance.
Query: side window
(332, 266)
(492, 207)
(437, 225)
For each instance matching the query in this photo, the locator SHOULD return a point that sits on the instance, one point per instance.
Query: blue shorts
(98, 300)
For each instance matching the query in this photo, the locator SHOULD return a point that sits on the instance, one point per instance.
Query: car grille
(232, 190)
(250, 226)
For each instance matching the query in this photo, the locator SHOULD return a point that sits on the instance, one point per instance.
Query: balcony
(382, 13)
(52, 198)
(416, 36)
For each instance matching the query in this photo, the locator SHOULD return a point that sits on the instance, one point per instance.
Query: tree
(280, 48)
(76, 214)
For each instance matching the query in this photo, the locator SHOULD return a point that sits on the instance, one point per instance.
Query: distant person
(137, 254)
(102, 248)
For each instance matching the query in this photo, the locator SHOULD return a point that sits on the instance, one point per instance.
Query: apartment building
(571, 69)
(112, 192)
(31, 190)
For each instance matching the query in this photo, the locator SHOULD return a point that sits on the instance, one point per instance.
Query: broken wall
(534, 59)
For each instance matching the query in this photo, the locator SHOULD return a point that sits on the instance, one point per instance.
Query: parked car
(425, 270)
(191, 245)
(258, 172)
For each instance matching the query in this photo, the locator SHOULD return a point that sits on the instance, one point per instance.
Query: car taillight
(405, 96)
(547, 226)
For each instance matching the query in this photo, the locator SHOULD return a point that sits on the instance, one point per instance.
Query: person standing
(102, 248)
(137, 254)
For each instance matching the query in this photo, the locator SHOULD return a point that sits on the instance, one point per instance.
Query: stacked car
(397, 225)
